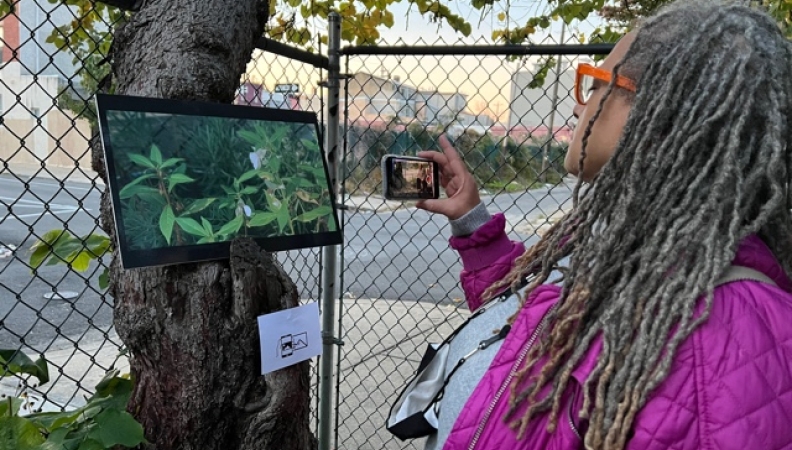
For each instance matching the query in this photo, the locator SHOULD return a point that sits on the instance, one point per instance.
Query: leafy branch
(63, 247)
(103, 423)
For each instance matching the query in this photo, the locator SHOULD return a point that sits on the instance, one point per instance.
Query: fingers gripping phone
(409, 178)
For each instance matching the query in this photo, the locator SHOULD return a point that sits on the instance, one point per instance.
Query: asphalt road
(402, 255)
(28, 211)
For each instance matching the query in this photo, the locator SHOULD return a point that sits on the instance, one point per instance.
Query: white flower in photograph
(243, 209)
(258, 157)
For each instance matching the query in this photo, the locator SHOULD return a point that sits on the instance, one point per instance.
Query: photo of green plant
(185, 180)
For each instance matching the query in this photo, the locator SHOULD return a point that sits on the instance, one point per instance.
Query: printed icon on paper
(289, 343)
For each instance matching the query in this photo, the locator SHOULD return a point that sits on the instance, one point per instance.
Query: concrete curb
(34, 172)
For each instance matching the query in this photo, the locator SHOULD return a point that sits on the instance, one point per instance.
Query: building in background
(283, 97)
(380, 100)
(383, 100)
(531, 109)
(33, 74)
(24, 35)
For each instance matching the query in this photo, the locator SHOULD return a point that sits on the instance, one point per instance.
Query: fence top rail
(509, 50)
(278, 48)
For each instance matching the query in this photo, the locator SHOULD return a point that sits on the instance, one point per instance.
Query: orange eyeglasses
(584, 80)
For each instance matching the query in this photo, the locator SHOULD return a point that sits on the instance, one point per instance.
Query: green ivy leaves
(101, 424)
(63, 247)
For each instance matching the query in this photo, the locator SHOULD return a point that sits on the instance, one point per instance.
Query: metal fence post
(330, 252)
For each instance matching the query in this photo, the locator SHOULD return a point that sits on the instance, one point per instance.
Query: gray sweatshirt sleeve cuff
(470, 222)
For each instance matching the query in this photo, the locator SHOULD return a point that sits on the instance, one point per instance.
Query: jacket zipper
(571, 421)
(512, 373)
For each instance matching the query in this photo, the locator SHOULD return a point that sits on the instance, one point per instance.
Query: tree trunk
(191, 329)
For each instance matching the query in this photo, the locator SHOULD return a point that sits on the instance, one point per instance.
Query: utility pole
(554, 99)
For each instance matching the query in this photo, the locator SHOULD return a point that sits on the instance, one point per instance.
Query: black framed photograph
(186, 178)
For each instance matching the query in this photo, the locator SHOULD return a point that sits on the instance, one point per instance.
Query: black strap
(482, 345)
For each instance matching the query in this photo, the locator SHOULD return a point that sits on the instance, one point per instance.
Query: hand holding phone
(409, 178)
(457, 181)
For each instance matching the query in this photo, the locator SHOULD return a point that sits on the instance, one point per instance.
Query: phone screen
(410, 178)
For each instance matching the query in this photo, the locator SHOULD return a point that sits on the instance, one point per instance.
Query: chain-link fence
(399, 279)
(273, 80)
(52, 304)
(46, 183)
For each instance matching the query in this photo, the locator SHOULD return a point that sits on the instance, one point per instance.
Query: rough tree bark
(191, 329)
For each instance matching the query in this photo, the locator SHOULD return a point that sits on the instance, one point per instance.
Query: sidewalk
(34, 172)
(383, 343)
(372, 203)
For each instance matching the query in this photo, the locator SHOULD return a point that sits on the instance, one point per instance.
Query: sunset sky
(485, 80)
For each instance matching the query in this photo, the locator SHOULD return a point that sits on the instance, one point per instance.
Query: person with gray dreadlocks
(672, 324)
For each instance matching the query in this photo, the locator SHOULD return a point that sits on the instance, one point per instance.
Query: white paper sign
(289, 336)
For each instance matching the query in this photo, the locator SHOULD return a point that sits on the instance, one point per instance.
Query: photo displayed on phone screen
(411, 179)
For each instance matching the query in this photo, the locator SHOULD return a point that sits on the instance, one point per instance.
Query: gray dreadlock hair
(702, 163)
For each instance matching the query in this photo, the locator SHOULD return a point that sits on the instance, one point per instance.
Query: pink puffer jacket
(730, 385)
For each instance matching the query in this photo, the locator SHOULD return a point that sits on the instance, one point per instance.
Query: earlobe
(570, 163)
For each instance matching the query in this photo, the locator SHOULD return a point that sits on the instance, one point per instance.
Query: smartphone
(409, 178)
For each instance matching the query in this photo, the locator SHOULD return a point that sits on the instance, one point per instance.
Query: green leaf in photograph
(249, 190)
(191, 226)
(314, 214)
(274, 203)
(232, 227)
(207, 226)
(274, 165)
(156, 155)
(177, 178)
(199, 205)
(153, 198)
(261, 218)
(302, 182)
(247, 175)
(279, 133)
(317, 172)
(131, 191)
(170, 162)
(273, 186)
(284, 218)
(310, 144)
(249, 136)
(306, 197)
(135, 182)
(167, 219)
(141, 160)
